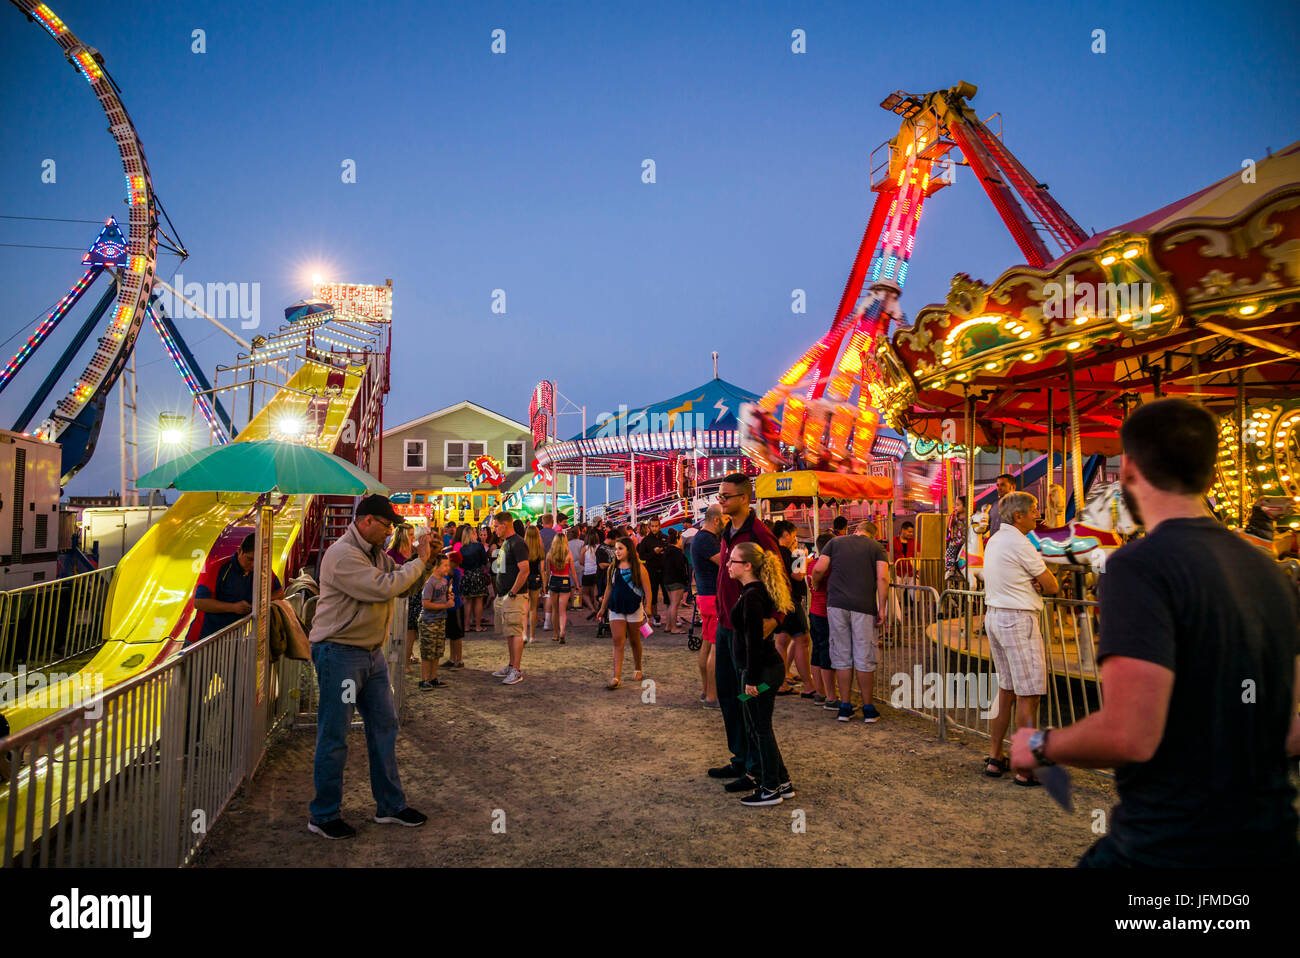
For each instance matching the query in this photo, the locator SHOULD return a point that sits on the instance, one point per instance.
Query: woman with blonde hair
(536, 555)
(764, 593)
(559, 585)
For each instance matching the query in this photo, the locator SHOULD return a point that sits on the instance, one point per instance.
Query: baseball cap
(378, 505)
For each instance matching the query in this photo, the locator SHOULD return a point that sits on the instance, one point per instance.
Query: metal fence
(298, 679)
(49, 622)
(936, 662)
(137, 775)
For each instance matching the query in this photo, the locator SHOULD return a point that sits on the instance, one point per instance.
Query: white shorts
(633, 617)
(853, 639)
(1017, 646)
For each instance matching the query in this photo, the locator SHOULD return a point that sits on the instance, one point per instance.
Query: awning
(827, 486)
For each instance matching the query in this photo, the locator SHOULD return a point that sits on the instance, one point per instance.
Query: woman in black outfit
(763, 594)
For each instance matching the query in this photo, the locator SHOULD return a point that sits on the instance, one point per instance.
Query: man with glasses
(358, 582)
(735, 495)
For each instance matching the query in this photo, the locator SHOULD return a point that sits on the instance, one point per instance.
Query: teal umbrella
(262, 466)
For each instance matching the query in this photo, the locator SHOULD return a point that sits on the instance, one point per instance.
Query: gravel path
(558, 771)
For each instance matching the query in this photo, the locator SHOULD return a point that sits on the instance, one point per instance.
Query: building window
(413, 455)
(456, 456)
(515, 455)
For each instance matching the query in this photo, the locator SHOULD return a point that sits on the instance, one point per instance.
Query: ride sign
(486, 469)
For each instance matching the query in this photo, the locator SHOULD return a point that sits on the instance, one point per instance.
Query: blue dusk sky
(522, 171)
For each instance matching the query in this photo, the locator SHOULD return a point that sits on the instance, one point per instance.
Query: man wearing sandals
(1015, 580)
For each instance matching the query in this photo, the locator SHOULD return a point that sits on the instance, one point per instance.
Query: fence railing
(298, 679)
(49, 622)
(137, 775)
(936, 660)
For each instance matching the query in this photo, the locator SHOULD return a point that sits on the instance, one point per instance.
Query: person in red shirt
(735, 495)
(819, 628)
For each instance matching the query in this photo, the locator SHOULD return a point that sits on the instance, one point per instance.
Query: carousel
(1199, 299)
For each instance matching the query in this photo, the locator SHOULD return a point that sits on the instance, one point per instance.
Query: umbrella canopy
(264, 465)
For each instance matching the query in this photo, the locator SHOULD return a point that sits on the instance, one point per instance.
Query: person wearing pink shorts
(706, 551)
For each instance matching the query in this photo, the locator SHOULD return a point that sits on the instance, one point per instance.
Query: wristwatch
(1038, 745)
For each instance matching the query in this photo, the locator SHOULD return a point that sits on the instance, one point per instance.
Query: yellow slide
(149, 606)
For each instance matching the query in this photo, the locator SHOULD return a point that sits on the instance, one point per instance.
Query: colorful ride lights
(49, 20)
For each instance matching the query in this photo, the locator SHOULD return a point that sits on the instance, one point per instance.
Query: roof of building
(466, 404)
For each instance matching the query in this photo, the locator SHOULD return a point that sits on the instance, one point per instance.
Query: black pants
(656, 585)
(758, 726)
(728, 682)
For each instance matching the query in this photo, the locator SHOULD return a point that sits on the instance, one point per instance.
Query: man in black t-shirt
(510, 575)
(1200, 661)
(651, 550)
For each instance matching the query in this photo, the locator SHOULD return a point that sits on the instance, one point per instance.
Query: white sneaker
(513, 677)
(502, 672)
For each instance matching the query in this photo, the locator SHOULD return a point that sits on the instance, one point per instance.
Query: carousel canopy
(1200, 298)
(703, 418)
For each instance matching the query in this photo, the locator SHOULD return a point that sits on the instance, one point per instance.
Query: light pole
(173, 432)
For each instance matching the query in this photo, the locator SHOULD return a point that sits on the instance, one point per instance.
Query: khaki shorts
(510, 613)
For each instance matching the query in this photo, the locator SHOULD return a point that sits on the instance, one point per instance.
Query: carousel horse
(1098, 530)
(1084, 541)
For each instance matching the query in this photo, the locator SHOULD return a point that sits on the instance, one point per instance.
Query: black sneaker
(831, 705)
(726, 771)
(742, 784)
(334, 829)
(785, 790)
(407, 816)
(426, 686)
(761, 796)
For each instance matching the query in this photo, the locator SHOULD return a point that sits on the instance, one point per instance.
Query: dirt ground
(579, 776)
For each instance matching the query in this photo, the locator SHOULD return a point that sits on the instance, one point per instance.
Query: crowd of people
(1201, 762)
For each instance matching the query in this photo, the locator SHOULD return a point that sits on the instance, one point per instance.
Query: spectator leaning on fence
(358, 582)
(1015, 579)
(1200, 659)
(224, 593)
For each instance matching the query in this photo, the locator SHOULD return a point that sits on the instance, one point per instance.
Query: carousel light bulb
(1107, 260)
(1130, 253)
(1158, 308)
(1247, 310)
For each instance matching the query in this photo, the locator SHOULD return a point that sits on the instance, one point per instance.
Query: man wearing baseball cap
(358, 581)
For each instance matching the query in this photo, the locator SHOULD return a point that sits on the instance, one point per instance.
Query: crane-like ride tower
(823, 411)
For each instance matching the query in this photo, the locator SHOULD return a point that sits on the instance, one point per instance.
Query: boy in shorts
(435, 600)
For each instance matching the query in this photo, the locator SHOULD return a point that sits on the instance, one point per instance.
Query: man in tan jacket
(358, 582)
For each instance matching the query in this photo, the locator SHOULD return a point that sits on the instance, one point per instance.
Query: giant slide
(150, 601)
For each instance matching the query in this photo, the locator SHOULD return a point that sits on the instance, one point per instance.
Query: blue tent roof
(711, 406)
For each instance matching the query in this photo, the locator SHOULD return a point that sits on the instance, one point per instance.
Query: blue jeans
(367, 672)
(728, 684)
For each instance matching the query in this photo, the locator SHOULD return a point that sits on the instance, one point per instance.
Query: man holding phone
(358, 582)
